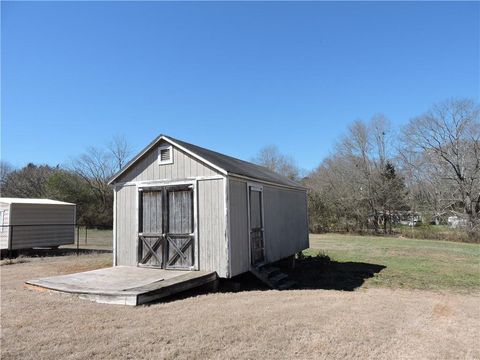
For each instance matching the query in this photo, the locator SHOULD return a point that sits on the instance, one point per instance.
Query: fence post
(86, 232)
(78, 239)
(10, 242)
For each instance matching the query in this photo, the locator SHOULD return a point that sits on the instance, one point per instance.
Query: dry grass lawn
(374, 323)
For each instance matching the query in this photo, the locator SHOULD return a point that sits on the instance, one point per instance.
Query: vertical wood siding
(286, 228)
(286, 224)
(4, 230)
(180, 226)
(213, 250)
(126, 225)
(239, 248)
(152, 213)
(180, 214)
(24, 237)
(184, 166)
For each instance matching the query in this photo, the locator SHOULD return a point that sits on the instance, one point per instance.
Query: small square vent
(165, 155)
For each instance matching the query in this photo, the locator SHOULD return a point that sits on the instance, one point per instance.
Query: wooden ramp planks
(189, 280)
(125, 285)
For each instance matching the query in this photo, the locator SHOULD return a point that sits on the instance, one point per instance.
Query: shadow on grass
(310, 273)
(244, 282)
(43, 252)
(320, 272)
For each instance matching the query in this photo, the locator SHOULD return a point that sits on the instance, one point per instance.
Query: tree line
(374, 175)
(377, 174)
(83, 181)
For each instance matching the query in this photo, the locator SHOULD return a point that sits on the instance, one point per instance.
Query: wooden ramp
(125, 285)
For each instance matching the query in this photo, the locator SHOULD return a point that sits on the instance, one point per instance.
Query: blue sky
(229, 76)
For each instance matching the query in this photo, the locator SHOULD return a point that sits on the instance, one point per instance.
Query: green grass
(410, 263)
(95, 238)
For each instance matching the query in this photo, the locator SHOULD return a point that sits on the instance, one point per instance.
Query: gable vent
(165, 155)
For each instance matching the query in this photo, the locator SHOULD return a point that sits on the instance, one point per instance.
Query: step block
(278, 277)
(287, 285)
(273, 277)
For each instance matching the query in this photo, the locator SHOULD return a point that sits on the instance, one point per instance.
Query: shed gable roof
(225, 164)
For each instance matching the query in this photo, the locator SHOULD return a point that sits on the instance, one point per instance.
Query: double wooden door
(166, 228)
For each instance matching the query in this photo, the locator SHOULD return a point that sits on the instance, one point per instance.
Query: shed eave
(290, 184)
(254, 179)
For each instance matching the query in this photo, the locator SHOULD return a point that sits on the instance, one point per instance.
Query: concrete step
(272, 277)
(289, 284)
(278, 277)
(268, 270)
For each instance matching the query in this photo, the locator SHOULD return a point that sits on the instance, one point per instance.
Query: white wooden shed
(28, 223)
(181, 206)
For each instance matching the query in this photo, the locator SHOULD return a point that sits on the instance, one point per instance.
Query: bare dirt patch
(366, 323)
(443, 310)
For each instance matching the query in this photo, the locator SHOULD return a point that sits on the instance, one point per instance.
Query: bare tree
(356, 149)
(442, 147)
(429, 193)
(336, 184)
(96, 166)
(360, 179)
(120, 151)
(5, 169)
(271, 158)
(368, 148)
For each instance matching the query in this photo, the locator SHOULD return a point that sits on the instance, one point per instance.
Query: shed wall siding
(212, 252)
(213, 249)
(184, 166)
(240, 260)
(126, 225)
(4, 230)
(24, 237)
(286, 224)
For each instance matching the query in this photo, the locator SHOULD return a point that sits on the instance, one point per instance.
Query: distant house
(402, 217)
(455, 222)
(181, 206)
(410, 218)
(29, 223)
